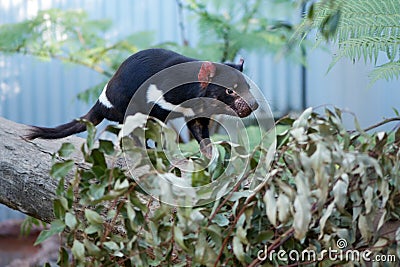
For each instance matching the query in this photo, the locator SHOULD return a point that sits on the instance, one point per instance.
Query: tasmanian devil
(222, 84)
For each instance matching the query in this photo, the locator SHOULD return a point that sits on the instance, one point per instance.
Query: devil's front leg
(199, 129)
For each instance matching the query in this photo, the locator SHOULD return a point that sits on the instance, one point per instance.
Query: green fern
(386, 71)
(363, 29)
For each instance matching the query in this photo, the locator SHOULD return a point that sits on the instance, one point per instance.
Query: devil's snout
(245, 108)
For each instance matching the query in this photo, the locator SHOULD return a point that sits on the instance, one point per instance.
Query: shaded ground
(17, 250)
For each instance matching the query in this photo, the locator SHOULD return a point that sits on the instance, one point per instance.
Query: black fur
(132, 73)
(67, 129)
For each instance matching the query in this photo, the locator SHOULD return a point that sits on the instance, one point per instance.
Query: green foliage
(326, 184)
(363, 29)
(28, 223)
(387, 71)
(227, 27)
(70, 36)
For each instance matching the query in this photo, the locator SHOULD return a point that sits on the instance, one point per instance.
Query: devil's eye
(229, 91)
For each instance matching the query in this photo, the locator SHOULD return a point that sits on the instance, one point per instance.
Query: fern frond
(363, 29)
(368, 47)
(386, 71)
(360, 18)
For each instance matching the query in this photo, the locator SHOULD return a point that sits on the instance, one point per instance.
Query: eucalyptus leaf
(78, 250)
(93, 217)
(270, 205)
(368, 198)
(56, 227)
(179, 238)
(364, 227)
(61, 169)
(131, 123)
(221, 220)
(106, 147)
(66, 149)
(238, 249)
(283, 207)
(111, 245)
(70, 220)
(91, 248)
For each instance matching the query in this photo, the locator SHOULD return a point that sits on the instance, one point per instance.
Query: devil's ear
(241, 62)
(206, 73)
(239, 66)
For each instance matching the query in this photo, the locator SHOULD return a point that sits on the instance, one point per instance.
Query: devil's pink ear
(206, 73)
(241, 62)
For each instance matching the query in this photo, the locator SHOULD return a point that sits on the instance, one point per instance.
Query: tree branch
(185, 41)
(65, 59)
(381, 123)
(25, 183)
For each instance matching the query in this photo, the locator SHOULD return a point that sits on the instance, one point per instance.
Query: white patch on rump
(103, 98)
(154, 95)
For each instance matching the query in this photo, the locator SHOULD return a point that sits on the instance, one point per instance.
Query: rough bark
(25, 183)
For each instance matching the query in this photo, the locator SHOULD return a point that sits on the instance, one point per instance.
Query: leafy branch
(226, 28)
(324, 184)
(71, 37)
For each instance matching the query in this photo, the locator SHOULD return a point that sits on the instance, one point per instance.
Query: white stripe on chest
(154, 95)
(103, 98)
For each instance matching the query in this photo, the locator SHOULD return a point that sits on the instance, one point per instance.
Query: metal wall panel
(347, 85)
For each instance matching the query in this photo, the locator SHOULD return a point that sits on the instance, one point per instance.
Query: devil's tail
(94, 116)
